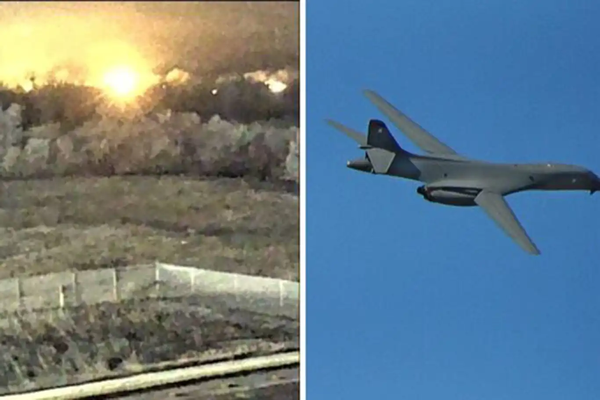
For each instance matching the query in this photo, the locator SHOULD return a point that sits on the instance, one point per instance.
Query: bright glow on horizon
(122, 82)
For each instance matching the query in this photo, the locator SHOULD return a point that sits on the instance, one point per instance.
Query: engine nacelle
(449, 196)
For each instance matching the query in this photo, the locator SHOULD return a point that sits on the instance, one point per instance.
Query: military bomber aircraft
(452, 179)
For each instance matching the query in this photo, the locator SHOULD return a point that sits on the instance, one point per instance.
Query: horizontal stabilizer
(380, 159)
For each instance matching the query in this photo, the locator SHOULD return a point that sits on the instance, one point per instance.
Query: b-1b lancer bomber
(452, 179)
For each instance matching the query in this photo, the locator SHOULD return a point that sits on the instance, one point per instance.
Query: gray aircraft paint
(452, 179)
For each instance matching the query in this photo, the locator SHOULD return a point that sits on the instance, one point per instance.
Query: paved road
(269, 385)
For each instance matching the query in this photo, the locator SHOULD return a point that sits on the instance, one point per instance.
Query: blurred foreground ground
(270, 385)
(110, 340)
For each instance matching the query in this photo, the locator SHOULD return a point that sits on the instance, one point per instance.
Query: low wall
(68, 289)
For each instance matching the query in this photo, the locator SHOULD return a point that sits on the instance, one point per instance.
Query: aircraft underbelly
(468, 175)
(565, 182)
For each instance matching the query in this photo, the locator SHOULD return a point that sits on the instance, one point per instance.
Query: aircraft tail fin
(382, 147)
(379, 145)
(380, 137)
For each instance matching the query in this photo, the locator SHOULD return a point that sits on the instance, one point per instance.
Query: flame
(276, 82)
(119, 69)
(121, 81)
(275, 85)
(96, 54)
(177, 76)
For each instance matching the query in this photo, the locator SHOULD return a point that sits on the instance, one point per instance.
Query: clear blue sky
(412, 300)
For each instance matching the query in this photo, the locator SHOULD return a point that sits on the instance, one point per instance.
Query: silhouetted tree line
(240, 100)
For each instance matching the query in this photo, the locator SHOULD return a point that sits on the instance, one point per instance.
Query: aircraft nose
(595, 181)
(593, 177)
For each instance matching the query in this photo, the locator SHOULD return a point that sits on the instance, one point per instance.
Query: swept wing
(497, 208)
(351, 133)
(419, 136)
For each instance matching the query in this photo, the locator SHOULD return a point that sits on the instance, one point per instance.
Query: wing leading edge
(419, 136)
(496, 207)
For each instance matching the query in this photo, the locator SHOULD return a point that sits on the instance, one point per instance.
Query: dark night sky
(198, 37)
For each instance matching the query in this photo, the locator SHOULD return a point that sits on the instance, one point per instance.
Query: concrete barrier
(68, 289)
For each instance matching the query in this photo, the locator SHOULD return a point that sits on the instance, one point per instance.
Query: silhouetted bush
(233, 128)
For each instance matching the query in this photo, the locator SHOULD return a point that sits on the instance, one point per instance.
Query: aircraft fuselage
(456, 181)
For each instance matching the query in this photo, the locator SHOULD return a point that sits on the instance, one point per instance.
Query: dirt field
(87, 223)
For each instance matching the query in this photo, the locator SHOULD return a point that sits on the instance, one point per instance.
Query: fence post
(115, 285)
